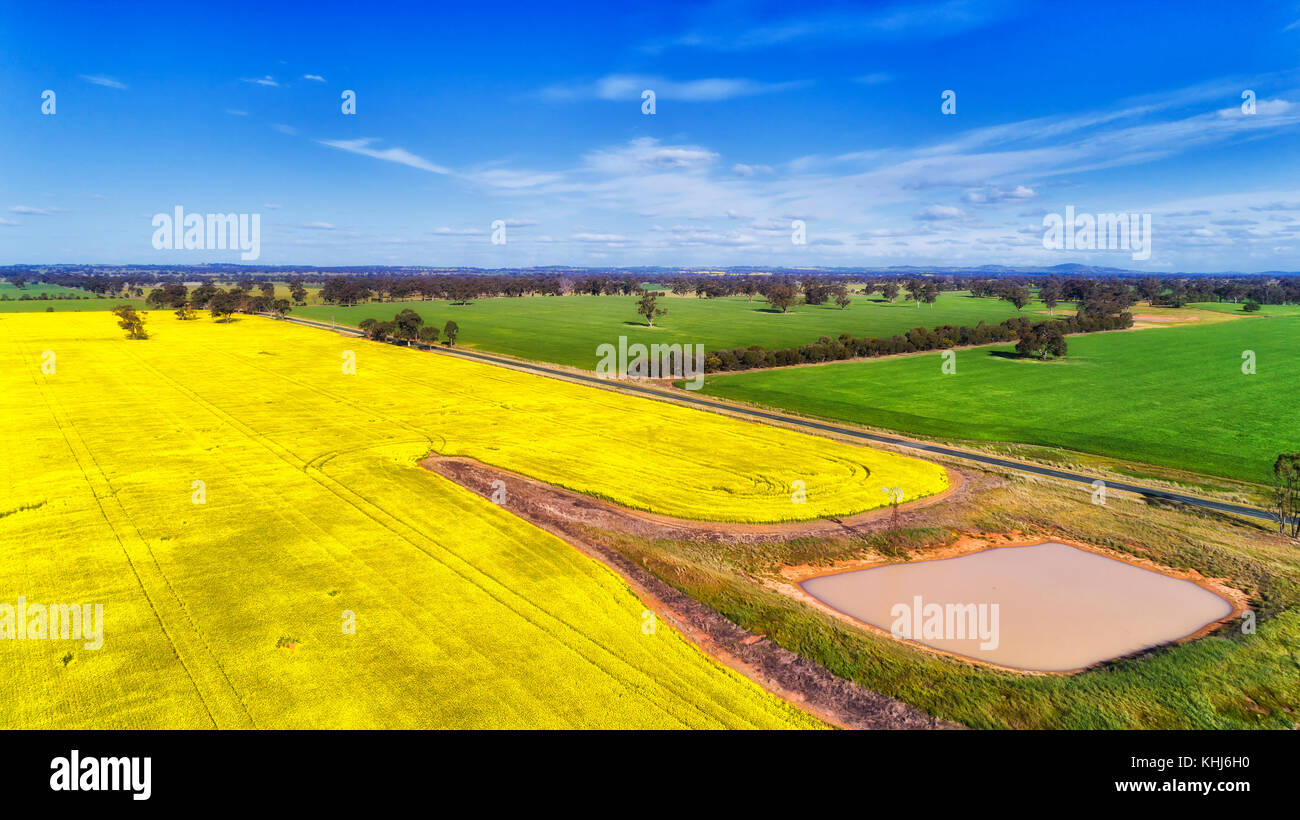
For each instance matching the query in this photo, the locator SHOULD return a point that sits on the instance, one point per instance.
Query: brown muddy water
(1047, 607)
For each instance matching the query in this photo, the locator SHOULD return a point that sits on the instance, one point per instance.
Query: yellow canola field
(232, 612)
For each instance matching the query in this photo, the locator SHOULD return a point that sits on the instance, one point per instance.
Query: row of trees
(1041, 339)
(222, 304)
(408, 326)
(364, 285)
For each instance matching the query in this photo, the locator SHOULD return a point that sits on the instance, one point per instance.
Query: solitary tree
(890, 291)
(297, 292)
(130, 321)
(450, 331)
(781, 296)
(648, 307)
(1018, 296)
(842, 297)
(1050, 294)
(930, 293)
(1041, 340)
(281, 307)
(429, 334)
(915, 291)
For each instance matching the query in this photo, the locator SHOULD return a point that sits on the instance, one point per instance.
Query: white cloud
(445, 231)
(314, 77)
(399, 155)
(286, 129)
(28, 209)
(1263, 108)
(107, 82)
(504, 178)
(268, 80)
(647, 154)
(627, 87)
(1277, 206)
(936, 213)
(990, 196)
(918, 21)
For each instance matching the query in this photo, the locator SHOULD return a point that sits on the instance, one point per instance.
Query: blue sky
(765, 113)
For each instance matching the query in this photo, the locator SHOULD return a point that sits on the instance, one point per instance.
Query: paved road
(953, 452)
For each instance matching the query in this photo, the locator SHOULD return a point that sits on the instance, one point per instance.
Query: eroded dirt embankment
(541, 501)
(568, 515)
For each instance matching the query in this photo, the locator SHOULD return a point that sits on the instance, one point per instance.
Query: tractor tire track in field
(399, 527)
(758, 415)
(568, 515)
(548, 502)
(218, 696)
(591, 651)
(356, 568)
(363, 575)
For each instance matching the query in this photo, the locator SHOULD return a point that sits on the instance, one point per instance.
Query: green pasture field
(568, 329)
(1169, 396)
(16, 304)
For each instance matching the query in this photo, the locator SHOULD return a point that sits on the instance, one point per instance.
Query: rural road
(953, 452)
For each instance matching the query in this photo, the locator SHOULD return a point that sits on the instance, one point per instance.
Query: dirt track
(538, 501)
(568, 515)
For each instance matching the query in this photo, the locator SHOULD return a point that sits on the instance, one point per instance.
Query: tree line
(221, 303)
(383, 285)
(1038, 339)
(408, 326)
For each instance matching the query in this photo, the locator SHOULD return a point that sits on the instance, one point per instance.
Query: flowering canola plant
(248, 511)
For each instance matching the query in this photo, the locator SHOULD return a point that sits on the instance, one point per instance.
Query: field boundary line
(757, 414)
(621, 670)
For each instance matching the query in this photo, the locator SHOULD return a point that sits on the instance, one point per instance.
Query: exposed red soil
(545, 501)
(569, 516)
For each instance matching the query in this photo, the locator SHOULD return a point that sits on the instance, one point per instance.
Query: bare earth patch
(550, 502)
(567, 515)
